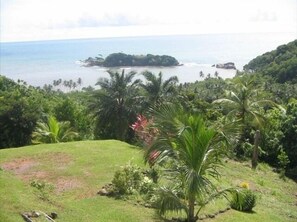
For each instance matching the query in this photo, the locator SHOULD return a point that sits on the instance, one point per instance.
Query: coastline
(40, 63)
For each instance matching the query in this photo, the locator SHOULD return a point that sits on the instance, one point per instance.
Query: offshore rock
(228, 65)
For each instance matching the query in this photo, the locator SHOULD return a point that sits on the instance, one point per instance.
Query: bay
(41, 62)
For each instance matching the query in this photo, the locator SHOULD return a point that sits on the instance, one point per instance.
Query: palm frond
(53, 131)
(167, 199)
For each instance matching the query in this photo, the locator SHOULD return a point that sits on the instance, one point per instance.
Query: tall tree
(245, 103)
(115, 105)
(20, 108)
(157, 89)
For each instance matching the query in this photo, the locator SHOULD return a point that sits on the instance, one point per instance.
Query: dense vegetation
(122, 59)
(281, 63)
(252, 116)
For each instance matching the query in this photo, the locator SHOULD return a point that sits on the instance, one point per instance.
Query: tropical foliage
(158, 90)
(245, 104)
(281, 63)
(115, 105)
(189, 153)
(19, 112)
(53, 131)
(244, 200)
(242, 105)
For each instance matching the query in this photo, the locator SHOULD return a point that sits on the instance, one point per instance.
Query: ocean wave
(100, 69)
(195, 64)
(79, 62)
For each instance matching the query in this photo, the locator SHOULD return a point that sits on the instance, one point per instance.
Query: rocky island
(228, 65)
(122, 59)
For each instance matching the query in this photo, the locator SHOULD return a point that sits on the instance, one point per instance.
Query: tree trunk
(256, 149)
(122, 125)
(191, 216)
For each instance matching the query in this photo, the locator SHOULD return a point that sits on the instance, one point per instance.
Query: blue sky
(25, 20)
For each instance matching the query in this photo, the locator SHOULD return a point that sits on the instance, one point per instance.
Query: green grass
(79, 169)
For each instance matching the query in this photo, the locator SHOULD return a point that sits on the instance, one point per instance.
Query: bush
(243, 200)
(131, 179)
(127, 179)
(147, 185)
(43, 189)
(152, 173)
(283, 161)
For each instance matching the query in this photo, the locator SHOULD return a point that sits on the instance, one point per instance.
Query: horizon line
(143, 36)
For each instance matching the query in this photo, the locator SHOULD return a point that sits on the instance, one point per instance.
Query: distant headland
(122, 59)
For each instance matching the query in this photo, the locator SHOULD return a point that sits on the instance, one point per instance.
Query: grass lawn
(77, 170)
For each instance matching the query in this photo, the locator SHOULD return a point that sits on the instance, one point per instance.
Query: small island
(122, 59)
(228, 65)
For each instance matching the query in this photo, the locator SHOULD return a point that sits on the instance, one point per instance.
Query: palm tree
(115, 104)
(190, 153)
(79, 82)
(244, 103)
(216, 74)
(158, 89)
(53, 131)
(201, 74)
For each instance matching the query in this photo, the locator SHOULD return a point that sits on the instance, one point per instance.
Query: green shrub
(127, 179)
(283, 161)
(153, 174)
(147, 185)
(243, 200)
(43, 189)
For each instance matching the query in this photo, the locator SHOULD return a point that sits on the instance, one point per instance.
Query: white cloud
(52, 19)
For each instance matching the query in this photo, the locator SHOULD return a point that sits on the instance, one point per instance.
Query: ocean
(41, 62)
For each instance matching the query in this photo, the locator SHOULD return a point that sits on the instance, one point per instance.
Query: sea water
(41, 62)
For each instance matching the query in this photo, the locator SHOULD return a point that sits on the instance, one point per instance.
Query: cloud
(89, 21)
(264, 16)
(54, 18)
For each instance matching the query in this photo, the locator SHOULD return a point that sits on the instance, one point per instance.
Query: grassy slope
(79, 169)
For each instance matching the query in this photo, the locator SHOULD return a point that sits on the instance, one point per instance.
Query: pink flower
(143, 130)
(140, 123)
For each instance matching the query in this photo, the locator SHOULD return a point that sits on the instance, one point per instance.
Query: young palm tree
(190, 153)
(53, 131)
(158, 89)
(115, 104)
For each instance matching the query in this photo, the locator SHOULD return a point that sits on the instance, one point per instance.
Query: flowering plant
(146, 134)
(244, 185)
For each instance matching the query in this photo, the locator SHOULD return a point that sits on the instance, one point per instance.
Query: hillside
(280, 63)
(77, 170)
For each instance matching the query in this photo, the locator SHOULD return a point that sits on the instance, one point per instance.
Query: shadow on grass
(135, 147)
(249, 212)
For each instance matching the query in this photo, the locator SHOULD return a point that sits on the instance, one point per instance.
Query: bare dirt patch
(44, 167)
(29, 168)
(20, 166)
(37, 175)
(65, 184)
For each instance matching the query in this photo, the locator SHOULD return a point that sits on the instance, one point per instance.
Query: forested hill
(280, 63)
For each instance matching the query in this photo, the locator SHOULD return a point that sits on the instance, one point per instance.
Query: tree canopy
(280, 63)
(121, 59)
